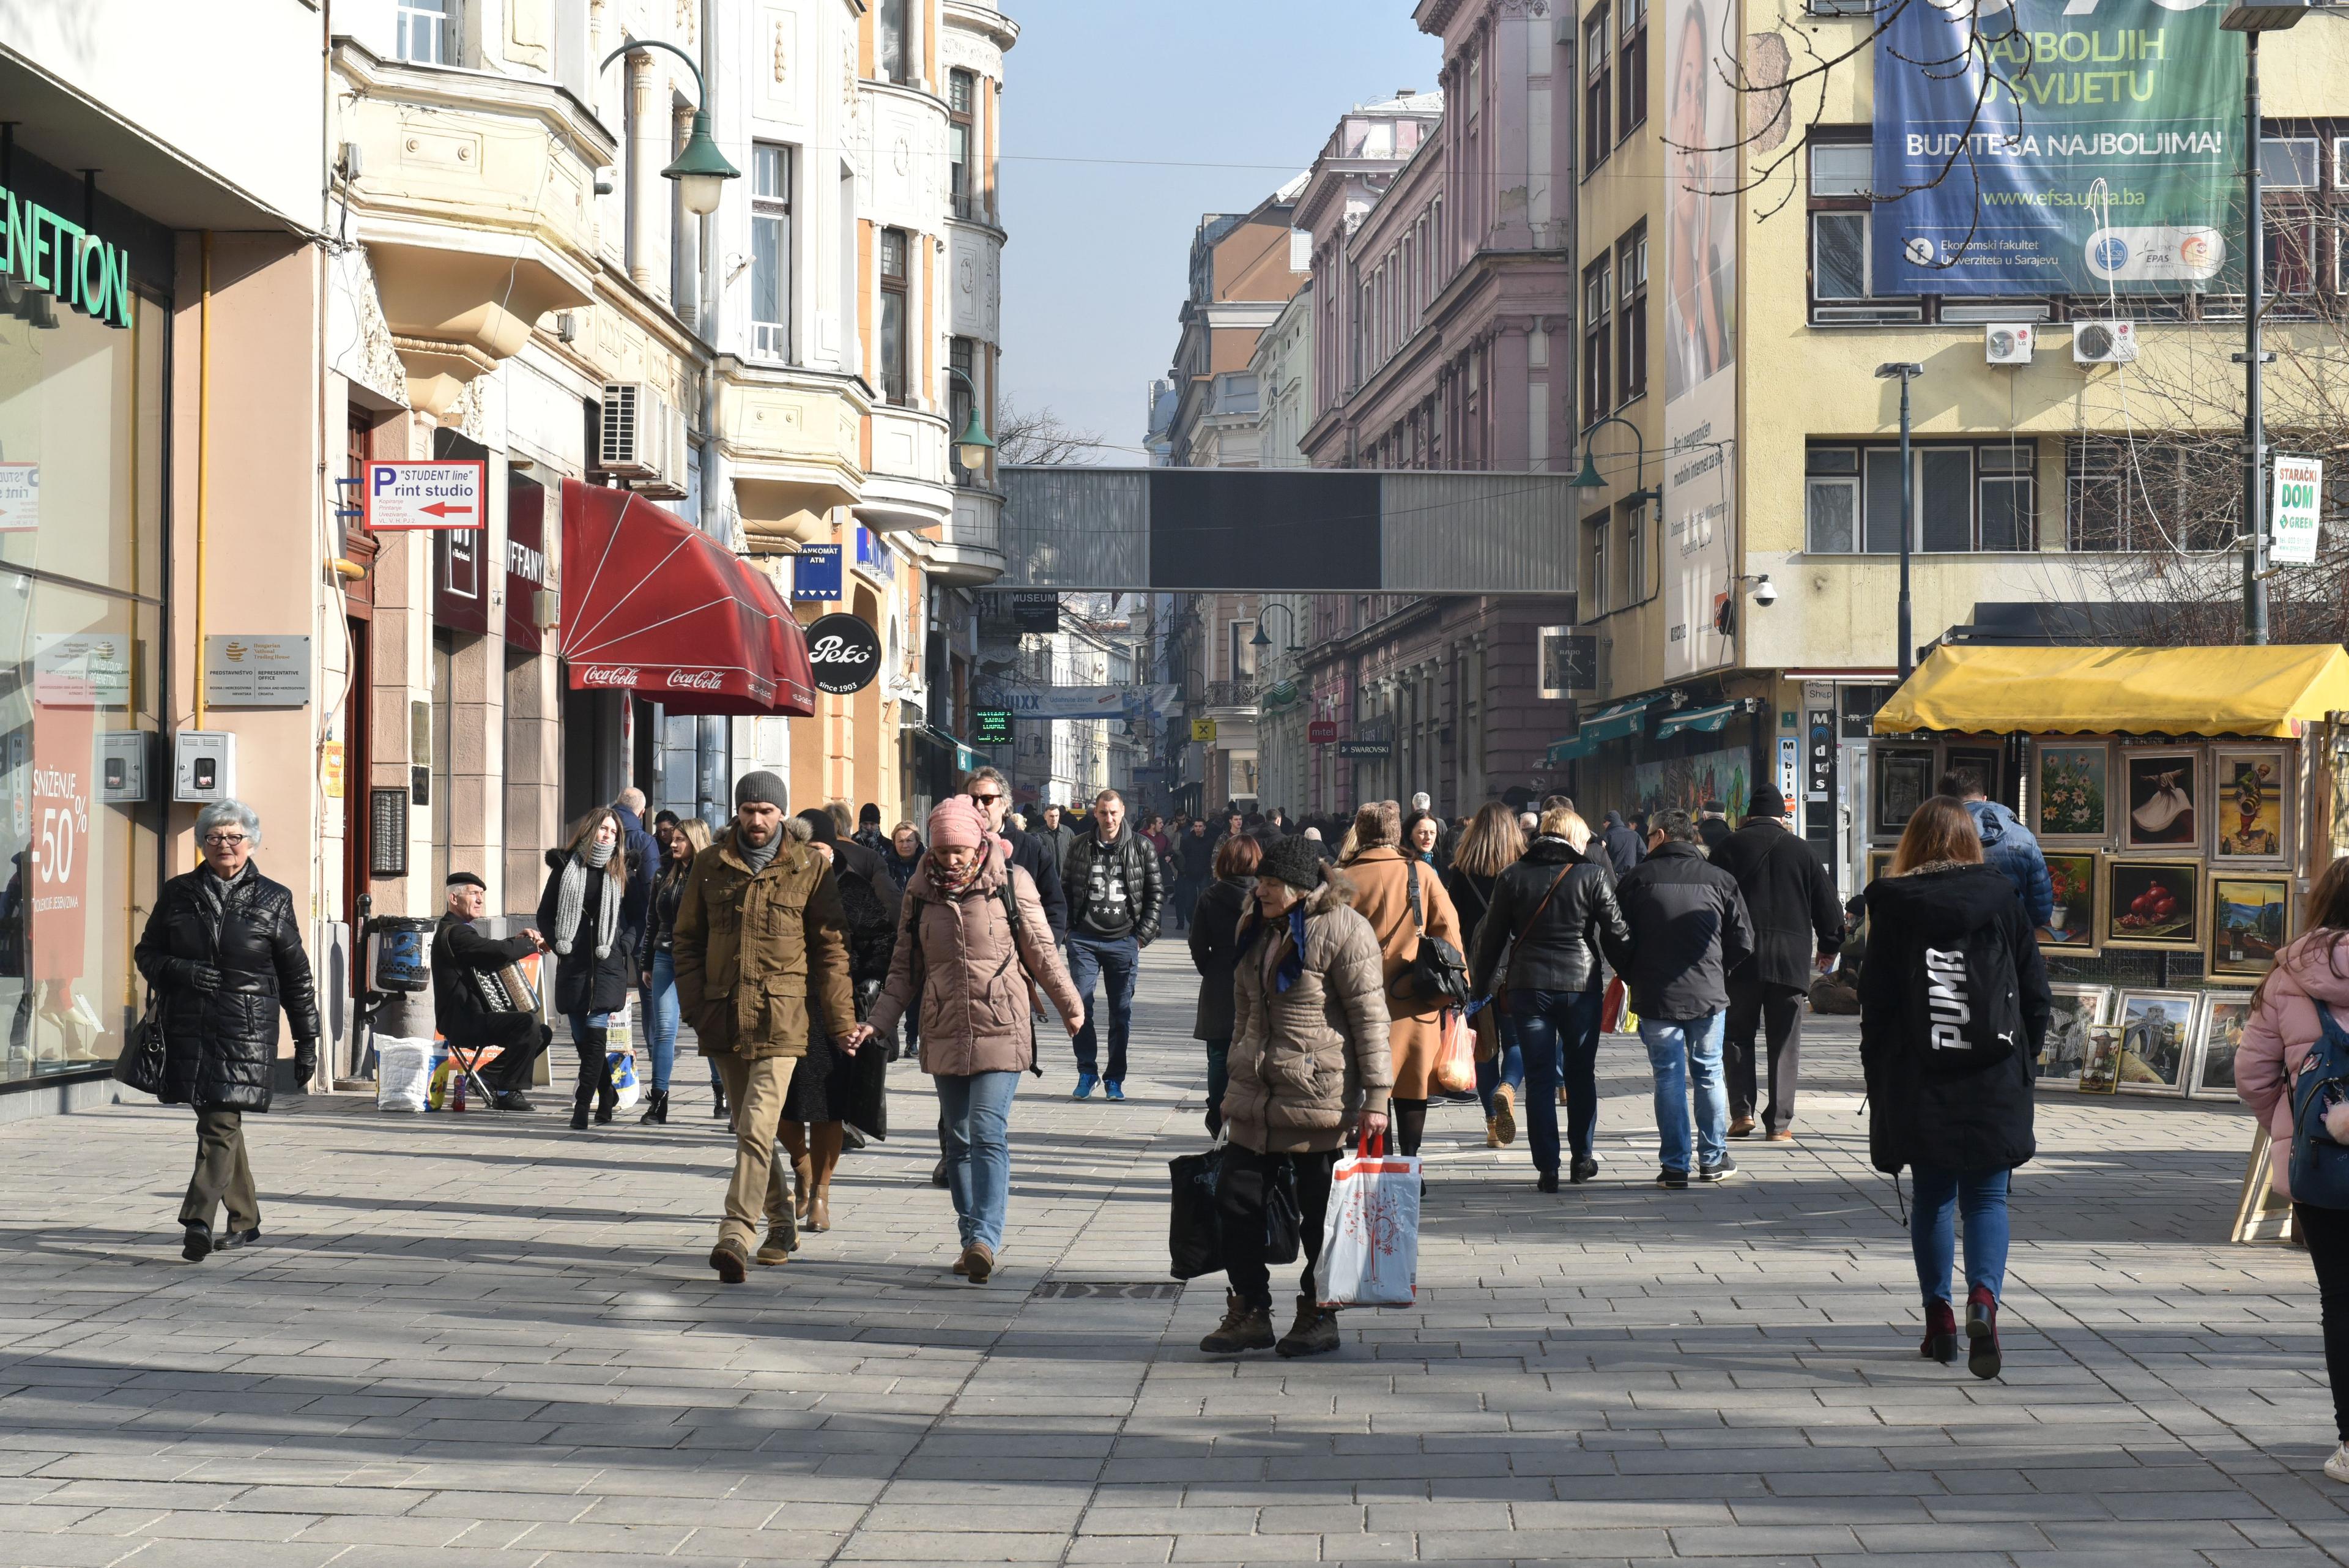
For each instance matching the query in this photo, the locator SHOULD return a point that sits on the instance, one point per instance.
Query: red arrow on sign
(442, 509)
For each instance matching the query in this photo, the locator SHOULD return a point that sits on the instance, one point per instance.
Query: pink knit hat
(954, 820)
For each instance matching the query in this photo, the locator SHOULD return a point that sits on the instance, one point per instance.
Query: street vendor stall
(2184, 798)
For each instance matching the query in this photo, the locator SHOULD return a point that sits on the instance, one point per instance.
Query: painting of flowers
(2068, 801)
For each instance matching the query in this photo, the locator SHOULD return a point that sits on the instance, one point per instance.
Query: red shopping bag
(1613, 1006)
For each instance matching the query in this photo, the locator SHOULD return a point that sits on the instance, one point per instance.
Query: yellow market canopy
(2135, 690)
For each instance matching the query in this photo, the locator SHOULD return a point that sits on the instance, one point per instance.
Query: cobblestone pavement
(487, 1340)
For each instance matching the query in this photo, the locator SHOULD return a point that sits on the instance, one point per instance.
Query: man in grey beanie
(760, 940)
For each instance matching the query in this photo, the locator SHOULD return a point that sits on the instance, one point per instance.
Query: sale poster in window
(58, 860)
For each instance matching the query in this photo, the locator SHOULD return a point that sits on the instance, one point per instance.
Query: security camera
(1765, 592)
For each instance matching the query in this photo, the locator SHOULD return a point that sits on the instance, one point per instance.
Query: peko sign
(46, 251)
(844, 652)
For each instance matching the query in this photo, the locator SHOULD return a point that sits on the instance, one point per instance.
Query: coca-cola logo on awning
(845, 653)
(609, 675)
(695, 680)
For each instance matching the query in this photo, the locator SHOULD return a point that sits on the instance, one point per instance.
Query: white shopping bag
(403, 1073)
(1370, 1246)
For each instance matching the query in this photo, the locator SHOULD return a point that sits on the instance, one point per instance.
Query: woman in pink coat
(2284, 1026)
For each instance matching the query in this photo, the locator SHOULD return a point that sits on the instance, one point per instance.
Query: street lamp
(700, 170)
(1904, 373)
(1589, 479)
(972, 447)
(1261, 641)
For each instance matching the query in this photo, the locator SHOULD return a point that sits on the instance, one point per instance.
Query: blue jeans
(1119, 961)
(1507, 1065)
(1679, 1050)
(1941, 1194)
(661, 1019)
(1559, 1031)
(977, 1127)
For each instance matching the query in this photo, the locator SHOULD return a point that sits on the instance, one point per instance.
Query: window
(1596, 87)
(1243, 664)
(962, 353)
(892, 26)
(1595, 298)
(1965, 496)
(2289, 163)
(1840, 216)
(1631, 314)
(894, 247)
(1594, 549)
(962, 93)
(1635, 551)
(2157, 494)
(771, 251)
(1633, 65)
(425, 34)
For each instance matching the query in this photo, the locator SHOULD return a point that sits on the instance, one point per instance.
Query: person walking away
(470, 1004)
(817, 1106)
(1111, 881)
(760, 946)
(1712, 824)
(655, 952)
(973, 943)
(1058, 836)
(904, 859)
(2008, 847)
(1214, 932)
(1195, 863)
(1551, 916)
(1791, 900)
(580, 915)
(1309, 1067)
(2305, 999)
(1953, 1005)
(644, 855)
(222, 949)
(1688, 928)
(1624, 849)
(1491, 845)
(1405, 903)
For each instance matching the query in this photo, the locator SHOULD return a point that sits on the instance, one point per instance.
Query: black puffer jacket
(1132, 859)
(1557, 950)
(1689, 929)
(1214, 951)
(220, 1045)
(583, 983)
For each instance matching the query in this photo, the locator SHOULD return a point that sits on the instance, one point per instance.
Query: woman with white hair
(222, 951)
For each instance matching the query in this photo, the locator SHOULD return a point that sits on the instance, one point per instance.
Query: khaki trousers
(220, 1173)
(755, 1089)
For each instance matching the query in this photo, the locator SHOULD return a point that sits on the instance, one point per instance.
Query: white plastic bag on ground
(403, 1073)
(624, 1079)
(1370, 1246)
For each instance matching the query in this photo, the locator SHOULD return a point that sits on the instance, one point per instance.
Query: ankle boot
(793, 1137)
(1981, 1334)
(655, 1108)
(1940, 1334)
(823, 1156)
(1315, 1332)
(1244, 1327)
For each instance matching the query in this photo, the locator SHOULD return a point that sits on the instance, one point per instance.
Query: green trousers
(221, 1174)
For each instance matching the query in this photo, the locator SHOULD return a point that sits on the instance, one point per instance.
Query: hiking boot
(1244, 1327)
(978, 1262)
(778, 1247)
(1940, 1334)
(1505, 1113)
(732, 1263)
(1582, 1170)
(1677, 1180)
(1492, 1132)
(196, 1242)
(1315, 1332)
(1721, 1170)
(1981, 1333)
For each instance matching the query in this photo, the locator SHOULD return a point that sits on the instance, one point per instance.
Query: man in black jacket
(1114, 898)
(1689, 929)
(992, 795)
(470, 1003)
(1793, 905)
(1624, 848)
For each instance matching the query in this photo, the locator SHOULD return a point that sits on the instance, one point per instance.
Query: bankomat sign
(47, 251)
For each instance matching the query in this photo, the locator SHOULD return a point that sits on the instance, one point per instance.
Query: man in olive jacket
(760, 940)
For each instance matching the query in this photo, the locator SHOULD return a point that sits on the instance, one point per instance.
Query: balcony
(906, 485)
(793, 440)
(968, 551)
(476, 204)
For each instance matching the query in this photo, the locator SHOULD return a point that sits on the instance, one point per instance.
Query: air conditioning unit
(677, 455)
(641, 439)
(2007, 343)
(2104, 342)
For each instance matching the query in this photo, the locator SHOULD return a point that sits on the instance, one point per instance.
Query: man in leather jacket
(1113, 892)
(469, 1001)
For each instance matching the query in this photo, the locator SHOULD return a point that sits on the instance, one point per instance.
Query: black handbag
(1439, 975)
(141, 1064)
(1195, 1240)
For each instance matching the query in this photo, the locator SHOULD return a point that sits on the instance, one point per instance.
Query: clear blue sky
(1095, 268)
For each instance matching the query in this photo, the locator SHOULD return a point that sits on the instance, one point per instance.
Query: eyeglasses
(224, 840)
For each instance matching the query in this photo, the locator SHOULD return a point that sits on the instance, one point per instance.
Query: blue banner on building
(815, 575)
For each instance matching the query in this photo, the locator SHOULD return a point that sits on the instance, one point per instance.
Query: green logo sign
(2299, 480)
(992, 726)
(55, 254)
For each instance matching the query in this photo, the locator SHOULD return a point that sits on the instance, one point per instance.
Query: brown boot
(794, 1140)
(1505, 1113)
(1492, 1133)
(1244, 1327)
(824, 1156)
(1315, 1332)
(730, 1261)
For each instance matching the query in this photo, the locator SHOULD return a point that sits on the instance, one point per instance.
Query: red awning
(653, 606)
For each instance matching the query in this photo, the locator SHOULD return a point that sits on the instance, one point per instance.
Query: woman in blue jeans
(972, 933)
(1953, 1004)
(685, 840)
(1550, 912)
(1492, 843)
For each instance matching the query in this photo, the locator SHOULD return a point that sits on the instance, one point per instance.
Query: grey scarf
(215, 889)
(571, 901)
(757, 855)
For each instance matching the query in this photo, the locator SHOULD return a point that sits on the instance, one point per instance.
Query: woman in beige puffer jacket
(1308, 1064)
(976, 972)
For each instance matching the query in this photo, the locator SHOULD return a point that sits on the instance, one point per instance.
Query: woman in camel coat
(1383, 877)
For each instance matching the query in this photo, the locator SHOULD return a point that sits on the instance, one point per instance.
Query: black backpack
(1965, 1002)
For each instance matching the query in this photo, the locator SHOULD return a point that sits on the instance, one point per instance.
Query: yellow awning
(2139, 690)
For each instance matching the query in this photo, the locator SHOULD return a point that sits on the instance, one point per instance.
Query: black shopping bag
(1194, 1243)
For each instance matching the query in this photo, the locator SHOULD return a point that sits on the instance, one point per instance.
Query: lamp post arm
(700, 88)
(1639, 445)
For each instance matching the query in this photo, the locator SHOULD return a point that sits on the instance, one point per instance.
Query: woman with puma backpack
(2295, 1052)
(1953, 1006)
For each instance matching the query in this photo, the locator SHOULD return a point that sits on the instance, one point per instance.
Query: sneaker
(1086, 1084)
(196, 1242)
(1113, 1089)
(1582, 1170)
(1981, 1334)
(2337, 1466)
(731, 1261)
(1244, 1327)
(1505, 1113)
(1676, 1179)
(515, 1100)
(1940, 1334)
(1722, 1172)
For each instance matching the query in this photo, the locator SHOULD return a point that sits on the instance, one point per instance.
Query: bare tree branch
(1041, 438)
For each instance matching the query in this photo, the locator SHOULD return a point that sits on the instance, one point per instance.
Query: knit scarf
(757, 855)
(215, 889)
(571, 901)
(948, 883)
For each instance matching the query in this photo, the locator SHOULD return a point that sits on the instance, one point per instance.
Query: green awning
(1618, 720)
(1708, 719)
(1566, 750)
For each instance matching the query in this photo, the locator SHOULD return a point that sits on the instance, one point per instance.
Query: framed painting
(2250, 794)
(2163, 801)
(2224, 1013)
(2073, 927)
(2250, 921)
(1902, 779)
(1982, 766)
(2070, 784)
(1879, 864)
(2154, 903)
(2157, 1035)
(2100, 1074)
(2063, 1053)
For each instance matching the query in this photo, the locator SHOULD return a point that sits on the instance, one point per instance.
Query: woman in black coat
(223, 951)
(581, 915)
(1215, 953)
(1492, 844)
(1953, 1004)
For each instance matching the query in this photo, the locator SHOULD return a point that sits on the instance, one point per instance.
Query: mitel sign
(1320, 731)
(433, 493)
(845, 653)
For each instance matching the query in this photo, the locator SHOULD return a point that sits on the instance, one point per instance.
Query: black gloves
(202, 976)
(305, 1061)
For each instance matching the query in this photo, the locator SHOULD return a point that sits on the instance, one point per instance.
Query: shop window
(1631, 314)
(962, 95)
(1965, 496)
(1597, 86)
(1596, 296)
(896, 268)
(771, 251)
(426, 32)
(1633, 67)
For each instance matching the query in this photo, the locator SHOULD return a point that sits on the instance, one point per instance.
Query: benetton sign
(55, 254)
